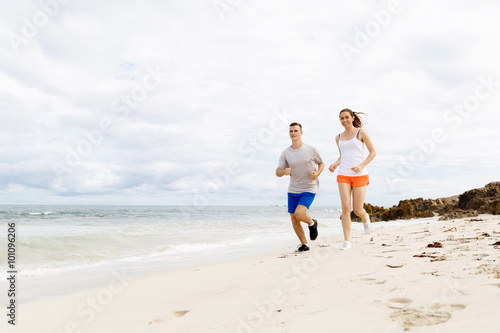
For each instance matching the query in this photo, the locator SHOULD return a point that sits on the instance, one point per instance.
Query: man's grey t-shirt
(302, 161)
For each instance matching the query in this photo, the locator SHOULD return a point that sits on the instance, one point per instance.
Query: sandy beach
(390, 281)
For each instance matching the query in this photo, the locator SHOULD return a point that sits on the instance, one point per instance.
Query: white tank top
(352, 154)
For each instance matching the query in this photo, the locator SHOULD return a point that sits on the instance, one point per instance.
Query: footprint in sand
(373, 281)
(175, 314)
(489, 269)
(179, 314)
(433, 315)
(408, 317)
(457, 306)
(398, 303)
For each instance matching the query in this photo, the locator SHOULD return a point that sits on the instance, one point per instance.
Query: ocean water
(61, 249)
(64, 249)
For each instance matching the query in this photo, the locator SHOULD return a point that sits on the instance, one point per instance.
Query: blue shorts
(295, 199)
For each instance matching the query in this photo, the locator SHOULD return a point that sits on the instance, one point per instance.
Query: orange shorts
(357, 181)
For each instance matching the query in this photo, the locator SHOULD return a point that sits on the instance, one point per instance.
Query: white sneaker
(367, 225)
(346, 245)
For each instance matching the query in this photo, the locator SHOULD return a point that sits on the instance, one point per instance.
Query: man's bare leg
(297, 227)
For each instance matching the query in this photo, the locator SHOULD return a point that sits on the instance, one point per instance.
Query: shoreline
(54, 285)
(379, 284)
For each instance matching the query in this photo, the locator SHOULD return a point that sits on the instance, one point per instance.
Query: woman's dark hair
(358, 123)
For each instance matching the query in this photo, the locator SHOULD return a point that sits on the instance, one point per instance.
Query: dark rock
(495, 207)
(458, 214)
(484, 200)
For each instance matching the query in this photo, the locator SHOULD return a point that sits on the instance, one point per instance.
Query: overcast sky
(188, 102)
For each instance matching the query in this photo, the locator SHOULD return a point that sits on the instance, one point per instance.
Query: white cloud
(224, 79)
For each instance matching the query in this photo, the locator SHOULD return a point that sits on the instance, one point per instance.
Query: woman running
(353, 176)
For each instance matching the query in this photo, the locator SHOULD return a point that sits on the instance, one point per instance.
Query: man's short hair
(296, 124)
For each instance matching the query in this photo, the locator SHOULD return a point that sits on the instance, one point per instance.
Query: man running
(299, 162)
